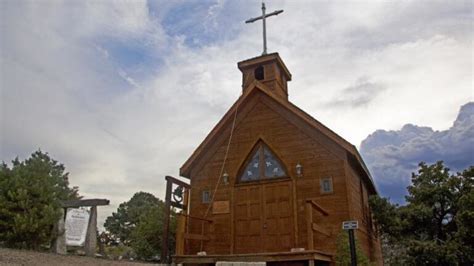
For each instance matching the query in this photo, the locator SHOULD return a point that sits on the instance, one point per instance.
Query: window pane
(273, 168)
(251, 172)
(206, 196)
(326, 186)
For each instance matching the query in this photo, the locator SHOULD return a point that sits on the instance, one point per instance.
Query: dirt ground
(25, 257)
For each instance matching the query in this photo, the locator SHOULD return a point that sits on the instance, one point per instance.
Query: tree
(122, 222)
(31, 192)
(139, 224)
(435, 227)
(147, 236)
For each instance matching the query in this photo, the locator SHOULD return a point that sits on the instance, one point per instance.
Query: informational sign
(220, 207)
(347, 225)
(77, 221)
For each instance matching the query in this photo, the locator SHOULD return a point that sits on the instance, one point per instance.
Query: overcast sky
(122, 92)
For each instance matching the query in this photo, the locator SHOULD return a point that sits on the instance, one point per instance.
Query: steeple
(268, 69)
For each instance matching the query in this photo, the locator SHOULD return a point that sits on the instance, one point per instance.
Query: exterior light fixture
(225, 178)
(299, 170)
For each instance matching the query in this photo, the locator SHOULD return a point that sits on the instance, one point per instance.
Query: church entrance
(263, 217)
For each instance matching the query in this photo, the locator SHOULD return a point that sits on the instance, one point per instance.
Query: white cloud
(118, 132)
(393, 155)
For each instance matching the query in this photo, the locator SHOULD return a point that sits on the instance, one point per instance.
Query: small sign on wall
(220, 207)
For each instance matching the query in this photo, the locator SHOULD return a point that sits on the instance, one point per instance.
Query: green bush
(343, 252)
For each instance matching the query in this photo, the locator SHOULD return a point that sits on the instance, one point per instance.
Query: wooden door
(248, 219)
(263, 220)
(278, 218)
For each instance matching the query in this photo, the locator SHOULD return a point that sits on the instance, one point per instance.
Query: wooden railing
(311, 226)
(183, 234)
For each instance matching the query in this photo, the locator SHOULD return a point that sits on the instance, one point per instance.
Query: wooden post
(164, 245)
(91, 236)
(186, 218)
(309, 225)
(180, 230)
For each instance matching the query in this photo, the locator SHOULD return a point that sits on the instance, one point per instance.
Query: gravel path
(26, 257)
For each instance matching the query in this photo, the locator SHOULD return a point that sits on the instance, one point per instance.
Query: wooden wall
(260, 119)
(359, 210)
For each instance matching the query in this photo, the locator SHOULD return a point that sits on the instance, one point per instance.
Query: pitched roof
(315, 124)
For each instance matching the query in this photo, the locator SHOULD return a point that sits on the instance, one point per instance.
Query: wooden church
(271, 183)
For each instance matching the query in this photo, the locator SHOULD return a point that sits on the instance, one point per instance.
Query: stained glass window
(262, 165)
(252, 171)
(273, 167)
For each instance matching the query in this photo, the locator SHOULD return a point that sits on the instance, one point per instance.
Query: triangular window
(262, 164)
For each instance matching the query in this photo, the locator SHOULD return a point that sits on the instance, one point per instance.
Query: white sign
(347, 225)
(77, 221)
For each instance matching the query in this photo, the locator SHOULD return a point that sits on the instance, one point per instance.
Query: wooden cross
(262, 17)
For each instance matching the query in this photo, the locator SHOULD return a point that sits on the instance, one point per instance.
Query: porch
(309, 256)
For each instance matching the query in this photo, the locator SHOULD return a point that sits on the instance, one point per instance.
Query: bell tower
(269, 70)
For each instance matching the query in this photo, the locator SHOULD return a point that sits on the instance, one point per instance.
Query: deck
(309, 255)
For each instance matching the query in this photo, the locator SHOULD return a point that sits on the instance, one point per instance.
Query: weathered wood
(91, 236)
(84, 203)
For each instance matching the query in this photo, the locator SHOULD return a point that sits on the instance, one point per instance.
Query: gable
(257, 93)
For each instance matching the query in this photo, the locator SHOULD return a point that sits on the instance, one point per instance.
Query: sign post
(350, 226)
(79, 226)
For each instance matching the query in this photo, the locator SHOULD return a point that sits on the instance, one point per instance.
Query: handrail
(310, 225)
(318, 207)
(197, 218)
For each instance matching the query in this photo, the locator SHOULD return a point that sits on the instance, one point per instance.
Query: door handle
(264, 226)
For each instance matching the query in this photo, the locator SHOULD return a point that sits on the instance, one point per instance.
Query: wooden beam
(177, 182)
(196, 237)
(178, 205)
(319, 229)
(197, 218)
(84, 203)
(318, 207)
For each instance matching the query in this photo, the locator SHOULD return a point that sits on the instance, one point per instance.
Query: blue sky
(122, 92)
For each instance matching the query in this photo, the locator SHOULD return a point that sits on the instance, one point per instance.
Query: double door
(263, 217)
